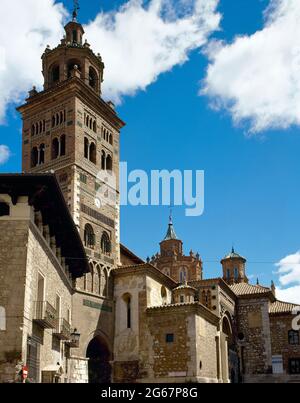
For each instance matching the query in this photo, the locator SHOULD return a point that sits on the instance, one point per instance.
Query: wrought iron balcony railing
(62, 330)
(45, 314)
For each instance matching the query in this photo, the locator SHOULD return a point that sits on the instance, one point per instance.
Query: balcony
(45, 314)
(62, 330)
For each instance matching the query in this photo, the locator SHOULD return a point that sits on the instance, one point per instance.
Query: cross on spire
(75, 10)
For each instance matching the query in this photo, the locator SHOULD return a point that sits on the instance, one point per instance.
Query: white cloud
(289, 277)
(257, 77)
(26, 27)
(139, 42)
(4, 154)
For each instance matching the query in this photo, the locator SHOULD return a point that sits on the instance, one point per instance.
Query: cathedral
(77, 306)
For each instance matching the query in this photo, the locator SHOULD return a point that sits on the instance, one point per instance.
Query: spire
(171, 232)
(257, 281)
(75, 10)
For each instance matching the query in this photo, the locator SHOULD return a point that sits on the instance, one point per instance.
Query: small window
(181, 299)
(34, 157)
(2, 318)
(105, 244)
(55, 148)
(93, 153)
(4, 209)
(294, 366)
(63, 145)
(109, 163)
(89, 236)
(55, 74)
(228, 274)
(92, 78)
(169, 338)
(293, 337)
(236, 273)
(42, 154)
(74, 35)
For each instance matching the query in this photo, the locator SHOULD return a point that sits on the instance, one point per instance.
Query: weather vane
(75, 10)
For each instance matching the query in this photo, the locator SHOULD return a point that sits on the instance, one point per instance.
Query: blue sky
(251, 174)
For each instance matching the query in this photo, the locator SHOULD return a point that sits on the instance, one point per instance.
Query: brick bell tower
(234, 268)
(69, 129)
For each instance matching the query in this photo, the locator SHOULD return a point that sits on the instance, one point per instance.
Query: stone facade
(36, 291)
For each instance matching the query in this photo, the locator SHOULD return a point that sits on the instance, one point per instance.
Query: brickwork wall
(280, 326)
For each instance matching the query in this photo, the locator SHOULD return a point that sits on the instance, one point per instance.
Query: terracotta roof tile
(248, 289)
(281, 307)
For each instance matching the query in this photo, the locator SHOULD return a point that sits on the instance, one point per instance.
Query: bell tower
(69, 129)
(234, 268)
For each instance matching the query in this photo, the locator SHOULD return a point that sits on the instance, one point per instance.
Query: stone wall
(13, 239)
(253, 322)
(206, 350)
(24, 255)
(280, 327)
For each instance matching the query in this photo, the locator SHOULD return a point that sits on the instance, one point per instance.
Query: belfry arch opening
(99, 357)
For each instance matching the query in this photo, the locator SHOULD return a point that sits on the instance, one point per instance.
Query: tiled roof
(233, 255)
(170, 233)
(281, 307)
(248, 289)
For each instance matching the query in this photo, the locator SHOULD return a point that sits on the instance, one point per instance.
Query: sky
(209, 85)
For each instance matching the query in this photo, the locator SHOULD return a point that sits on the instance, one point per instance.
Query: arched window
(61, 117)
(182, 275)
(93, 77)
(63, 145)
(127, 300)
(71, 65)
(89, 236)
(36, 128)
(110, 139)
(109, 163)
(4, 209)
(55, 148)
(41, 127)
(53, 120)
(105, 244)
(55, 74)
(34, 157)
(236, 273)
(42, 154)
(293, 337)
(93, 156)
(32, 130)
(86, 148)
(91, 124)
(228, 274)
(87, 121)
(57, 119)
(44, 125)
(2, 318)
(95, 126)
(103, 160)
